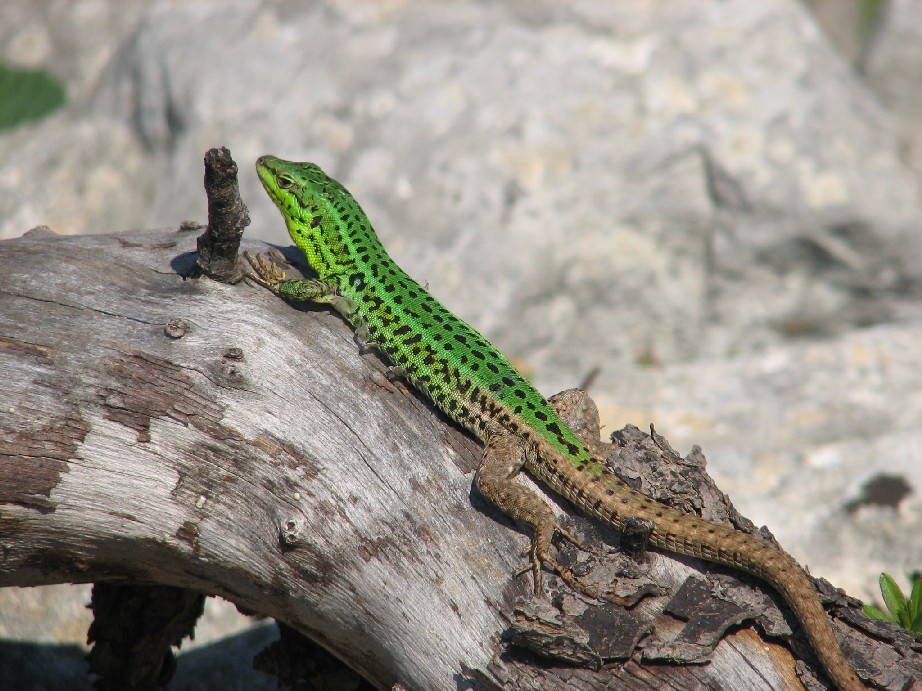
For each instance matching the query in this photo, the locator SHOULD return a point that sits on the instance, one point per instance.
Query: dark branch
(227, 218)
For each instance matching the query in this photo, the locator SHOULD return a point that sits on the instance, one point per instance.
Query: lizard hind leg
(503, 458)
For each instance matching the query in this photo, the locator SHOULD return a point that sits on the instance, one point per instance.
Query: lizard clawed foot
(539, 556)
(267, 272)
(572, 540)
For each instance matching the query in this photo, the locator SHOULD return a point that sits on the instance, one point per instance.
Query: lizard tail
(611, 500)
(798, 591)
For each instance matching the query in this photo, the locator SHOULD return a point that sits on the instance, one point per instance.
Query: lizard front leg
(503, 457)
(268, 274)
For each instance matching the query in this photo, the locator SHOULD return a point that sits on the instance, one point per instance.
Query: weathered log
(189, 433)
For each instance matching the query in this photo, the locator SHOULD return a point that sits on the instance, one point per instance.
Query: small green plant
(27, 95)
(904, 611)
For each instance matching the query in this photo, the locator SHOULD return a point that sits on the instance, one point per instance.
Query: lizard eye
(286, 182)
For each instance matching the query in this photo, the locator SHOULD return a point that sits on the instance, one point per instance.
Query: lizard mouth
(267, 172)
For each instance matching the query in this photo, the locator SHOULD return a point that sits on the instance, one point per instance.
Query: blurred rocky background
(709, 211)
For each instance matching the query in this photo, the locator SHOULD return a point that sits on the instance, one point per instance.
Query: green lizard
(475, 385)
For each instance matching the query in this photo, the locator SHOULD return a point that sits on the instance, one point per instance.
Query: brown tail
(798, 591)
(612, 501)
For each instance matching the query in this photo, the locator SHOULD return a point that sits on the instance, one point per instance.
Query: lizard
(465, 376)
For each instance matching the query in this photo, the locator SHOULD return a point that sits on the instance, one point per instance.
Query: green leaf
(874, 613)
(915, 604)
(915, 598)
(916, 623)
(893, 597)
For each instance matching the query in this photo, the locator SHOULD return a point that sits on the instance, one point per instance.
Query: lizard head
(323, 218)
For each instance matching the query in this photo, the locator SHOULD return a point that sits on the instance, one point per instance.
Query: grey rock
(893, 69)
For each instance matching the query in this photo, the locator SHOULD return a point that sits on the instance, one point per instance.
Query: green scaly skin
(475, 385)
